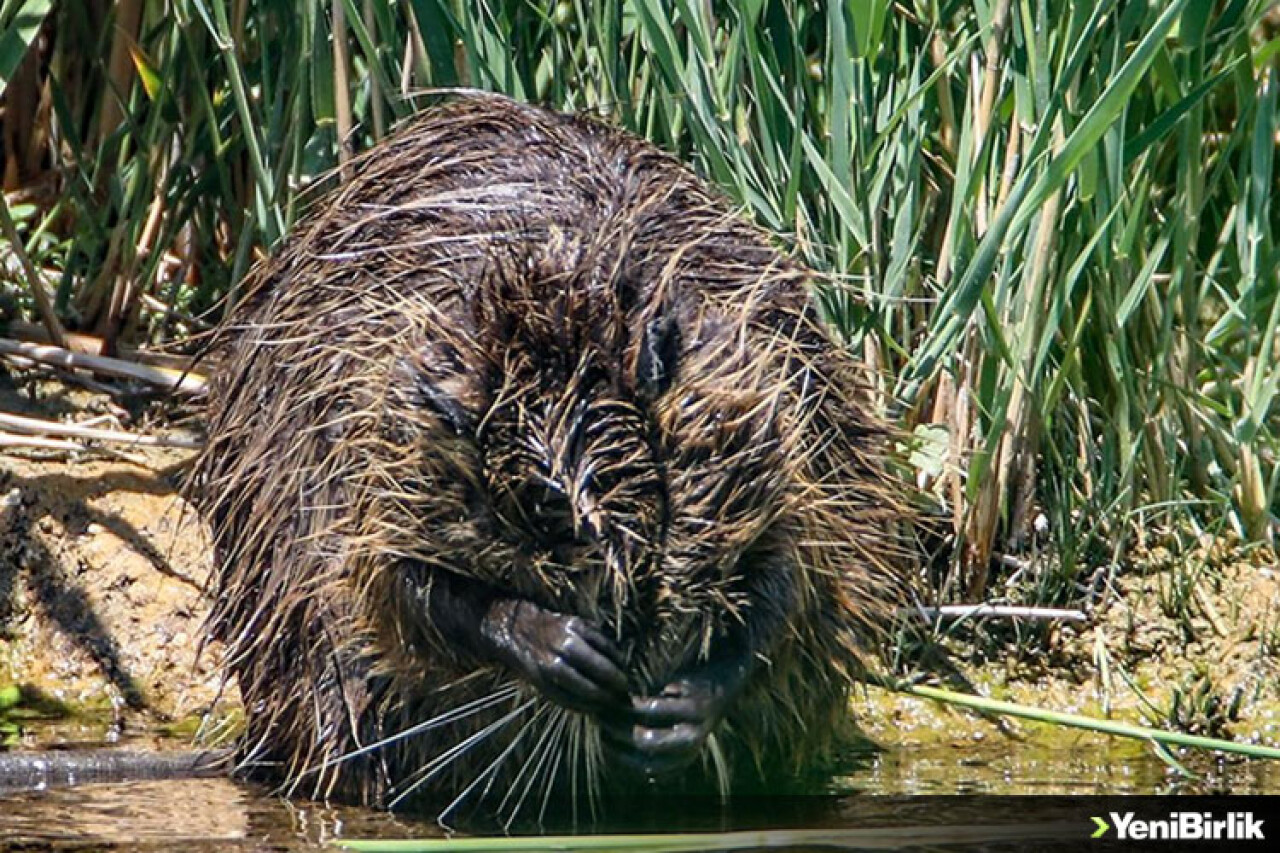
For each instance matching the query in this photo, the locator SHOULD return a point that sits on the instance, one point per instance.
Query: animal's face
(610, 471)
(624, 451)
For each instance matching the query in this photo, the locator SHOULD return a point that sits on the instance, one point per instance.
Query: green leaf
(324, 108)
(868, 24)
(929, 446)
(1101, 116)
(147, 72)
(1195, 22)
(17, 36)
(1142, 284)
(1169, 119)
(437, 24)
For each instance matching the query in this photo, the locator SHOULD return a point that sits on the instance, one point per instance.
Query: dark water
(881, 801)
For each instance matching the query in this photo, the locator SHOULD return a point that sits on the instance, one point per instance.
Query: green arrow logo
(1102, 828)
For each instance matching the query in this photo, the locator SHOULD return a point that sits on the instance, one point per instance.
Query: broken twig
(162, 377)
(40, 427)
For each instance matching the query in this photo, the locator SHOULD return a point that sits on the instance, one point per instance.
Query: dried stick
(10, 440)
(88, 344)
(41, 427)
(999, 611)
(170, 380)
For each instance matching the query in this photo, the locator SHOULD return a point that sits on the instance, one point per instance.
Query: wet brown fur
(456, 328)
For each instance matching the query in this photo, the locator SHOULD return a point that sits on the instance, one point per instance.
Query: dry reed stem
(42, 427)
(66, 359)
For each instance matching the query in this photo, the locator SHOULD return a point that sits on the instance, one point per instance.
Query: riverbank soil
(102, 567)
(1186, 640)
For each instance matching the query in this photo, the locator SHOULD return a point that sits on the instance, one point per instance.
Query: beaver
(531, 468)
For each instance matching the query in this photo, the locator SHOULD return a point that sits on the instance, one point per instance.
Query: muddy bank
(102, 567)
(1186, 640)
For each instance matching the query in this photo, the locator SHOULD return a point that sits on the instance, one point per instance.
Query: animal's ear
(658, 358)
(443, 384)
(449, 408)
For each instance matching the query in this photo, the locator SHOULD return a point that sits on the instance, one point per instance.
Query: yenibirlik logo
(1182, 826)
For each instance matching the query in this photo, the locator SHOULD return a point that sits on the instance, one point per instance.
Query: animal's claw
(566, 658)
(660, 735)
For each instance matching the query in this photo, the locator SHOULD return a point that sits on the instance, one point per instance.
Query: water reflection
(1101, 767)
(875, 802)
(198, 814)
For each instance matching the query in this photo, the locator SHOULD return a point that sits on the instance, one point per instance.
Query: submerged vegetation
(1049, 227)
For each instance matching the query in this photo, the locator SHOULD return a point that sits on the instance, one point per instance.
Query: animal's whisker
(575, 753)
(490, 771)
(529, 762)
(531, 767)
(720, 763)
(524, 730)
(438, 764)
(559, 755)
(593, 759)
(453, 715)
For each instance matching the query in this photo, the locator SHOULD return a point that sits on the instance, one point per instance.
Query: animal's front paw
(663, 734)
(568, 660)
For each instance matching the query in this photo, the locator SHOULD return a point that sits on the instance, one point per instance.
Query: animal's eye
(658, 358)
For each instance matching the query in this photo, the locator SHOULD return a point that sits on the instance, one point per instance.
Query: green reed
(1049, 227)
